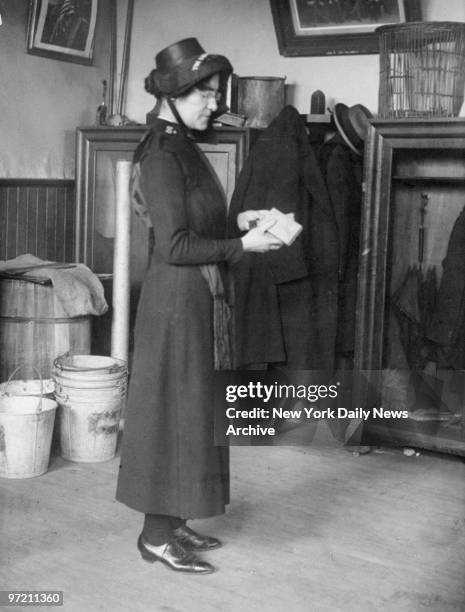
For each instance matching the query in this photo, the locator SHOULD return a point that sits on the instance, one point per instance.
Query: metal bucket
(26, 428)
(33, 386)
(260, 99)
(90, 391)
(90, 371)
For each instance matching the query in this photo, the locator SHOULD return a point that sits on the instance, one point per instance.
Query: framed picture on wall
(336, 27)
(62, 29)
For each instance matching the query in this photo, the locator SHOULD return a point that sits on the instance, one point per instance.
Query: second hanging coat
(286, 301)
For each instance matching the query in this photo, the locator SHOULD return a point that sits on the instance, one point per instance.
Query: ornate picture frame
(336, 27)
(62, 29)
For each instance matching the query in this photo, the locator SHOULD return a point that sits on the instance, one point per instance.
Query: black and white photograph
(232, 322)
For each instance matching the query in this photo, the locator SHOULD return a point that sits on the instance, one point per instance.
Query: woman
(170, 468)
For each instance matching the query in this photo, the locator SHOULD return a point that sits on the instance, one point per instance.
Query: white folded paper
(286, 227)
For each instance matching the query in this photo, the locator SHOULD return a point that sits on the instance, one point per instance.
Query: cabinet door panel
(222, 158)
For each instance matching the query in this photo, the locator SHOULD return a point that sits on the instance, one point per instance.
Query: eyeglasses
(208, 96)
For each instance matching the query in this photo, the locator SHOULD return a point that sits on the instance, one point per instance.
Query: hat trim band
(199, 61)
(345, 137)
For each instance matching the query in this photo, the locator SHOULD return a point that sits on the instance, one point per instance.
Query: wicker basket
(422, 69)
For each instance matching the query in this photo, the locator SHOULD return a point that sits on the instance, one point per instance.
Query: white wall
(243, 31)
(43, 100)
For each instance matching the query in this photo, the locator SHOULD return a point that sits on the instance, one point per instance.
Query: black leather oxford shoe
(190, 539)
(174, 556)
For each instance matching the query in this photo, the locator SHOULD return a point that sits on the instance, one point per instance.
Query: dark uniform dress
(169, 463)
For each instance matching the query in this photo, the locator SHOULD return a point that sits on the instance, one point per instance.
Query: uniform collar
(170, 128)
(176, 129)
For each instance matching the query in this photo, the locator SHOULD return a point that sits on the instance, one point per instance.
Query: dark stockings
(158, 528)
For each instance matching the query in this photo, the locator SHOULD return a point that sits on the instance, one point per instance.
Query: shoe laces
(183, 553)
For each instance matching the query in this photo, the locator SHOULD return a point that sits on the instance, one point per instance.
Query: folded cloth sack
(78, 289)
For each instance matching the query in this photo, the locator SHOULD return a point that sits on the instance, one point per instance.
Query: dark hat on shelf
(352, 124)
(184, 64)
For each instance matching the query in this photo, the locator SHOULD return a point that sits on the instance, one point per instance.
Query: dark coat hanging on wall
(342, 170)
(286, 300)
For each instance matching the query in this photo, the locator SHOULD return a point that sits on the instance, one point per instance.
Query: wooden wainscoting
(37, 216)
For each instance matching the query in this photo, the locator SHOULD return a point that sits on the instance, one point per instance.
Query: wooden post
(121, 280)
(113, 26)
(125, 58)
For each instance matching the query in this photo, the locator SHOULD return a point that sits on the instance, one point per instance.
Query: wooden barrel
(34, 328)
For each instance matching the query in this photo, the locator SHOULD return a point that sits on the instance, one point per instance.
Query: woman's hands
(259, 240)
(244, 218)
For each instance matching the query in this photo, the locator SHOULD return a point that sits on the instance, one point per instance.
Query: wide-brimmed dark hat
(352, 124)
(185, 63)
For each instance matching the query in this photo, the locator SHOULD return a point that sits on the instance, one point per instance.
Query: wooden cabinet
(98, 151)
(410, 310)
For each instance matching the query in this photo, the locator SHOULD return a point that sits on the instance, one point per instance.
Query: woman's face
(197, 106)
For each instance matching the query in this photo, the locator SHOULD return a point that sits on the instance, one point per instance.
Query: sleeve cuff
(234, 249)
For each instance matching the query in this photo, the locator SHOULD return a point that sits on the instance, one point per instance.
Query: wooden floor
(309, 529)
